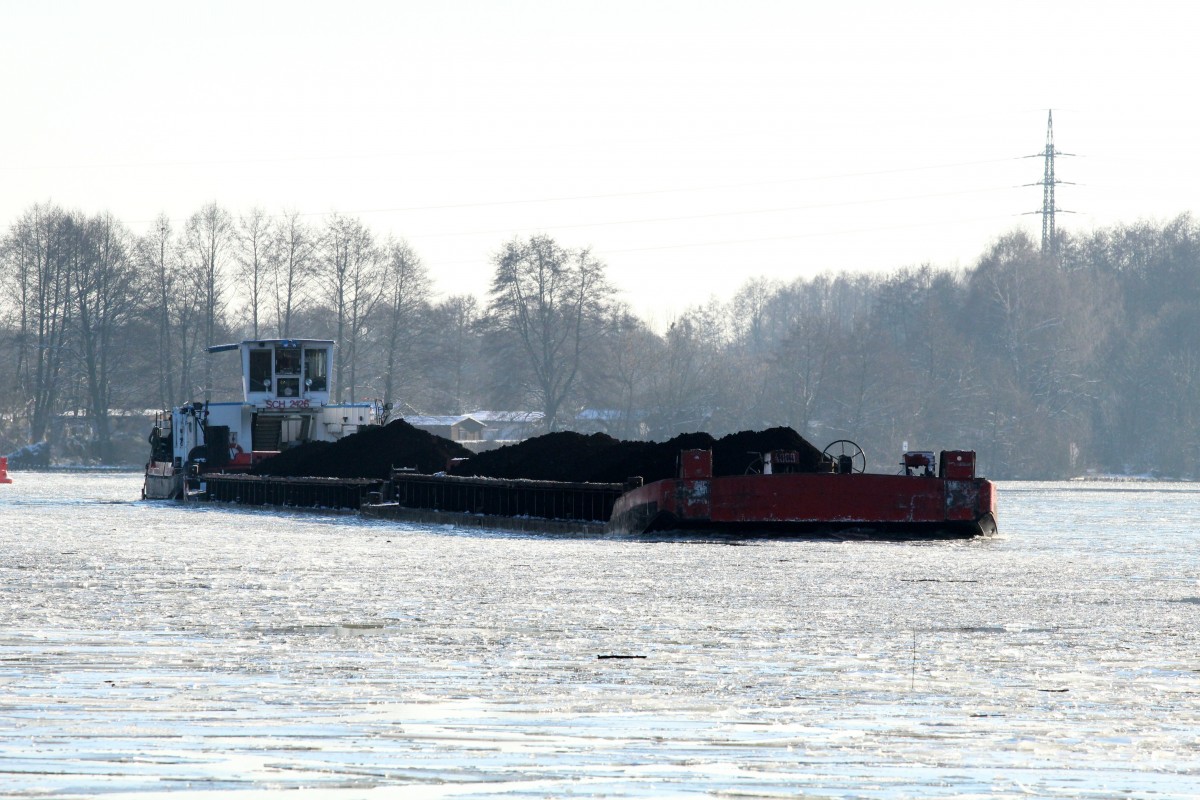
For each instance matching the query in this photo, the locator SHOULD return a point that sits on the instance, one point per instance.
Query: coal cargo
(371, 453)
(738, 453)
(651, 461)
(560, 456)
(564, 456)
(579, 458)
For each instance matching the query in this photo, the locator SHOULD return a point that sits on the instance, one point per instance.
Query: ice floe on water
(153, 649)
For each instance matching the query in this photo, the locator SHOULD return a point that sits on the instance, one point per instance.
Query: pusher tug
(285, 402)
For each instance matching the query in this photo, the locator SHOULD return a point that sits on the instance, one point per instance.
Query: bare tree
(208, 238)
(451, 354)
(548, 303)
(35, 274)
(255, 239)
(105, 303)
(681, 397)
(805, 358)
(291, 267)
(632, 357)
(157, 252)
(750, 314)
(350, 277)
(406, 290)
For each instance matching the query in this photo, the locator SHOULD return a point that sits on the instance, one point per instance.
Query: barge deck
(839, 505)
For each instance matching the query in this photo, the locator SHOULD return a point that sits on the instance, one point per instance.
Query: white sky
(693, 145)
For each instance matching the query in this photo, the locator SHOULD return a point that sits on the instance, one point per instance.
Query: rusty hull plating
(955, 504)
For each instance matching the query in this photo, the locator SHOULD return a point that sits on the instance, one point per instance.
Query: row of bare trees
(1047, 366)
(98, 320)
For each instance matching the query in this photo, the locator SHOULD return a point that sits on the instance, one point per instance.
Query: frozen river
(151, 648)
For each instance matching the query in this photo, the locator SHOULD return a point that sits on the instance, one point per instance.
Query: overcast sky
(692, 145)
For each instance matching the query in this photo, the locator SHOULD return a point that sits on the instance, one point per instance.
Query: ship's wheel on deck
(847, 455)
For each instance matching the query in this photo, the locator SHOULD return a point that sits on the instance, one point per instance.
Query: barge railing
(268, 490)
(588, 502)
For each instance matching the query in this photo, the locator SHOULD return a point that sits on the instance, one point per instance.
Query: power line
(713, 215)
(614, 195)
(784, 237)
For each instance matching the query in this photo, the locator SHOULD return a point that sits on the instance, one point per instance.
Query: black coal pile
(736, 453)
(370, 453)
(653, 461)
(598, 458)
(560, 456)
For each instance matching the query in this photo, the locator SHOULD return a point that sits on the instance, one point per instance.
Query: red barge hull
(776, 501)
(918, 504)
(887, 506)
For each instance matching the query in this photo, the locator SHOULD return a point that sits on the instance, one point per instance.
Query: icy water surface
(151, 648)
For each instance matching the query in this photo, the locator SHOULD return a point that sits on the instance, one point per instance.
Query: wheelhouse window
(260, 371)
(287, 361)
(287, 372)
(316, 370)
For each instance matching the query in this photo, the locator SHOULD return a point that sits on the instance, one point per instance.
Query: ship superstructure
(285, 402)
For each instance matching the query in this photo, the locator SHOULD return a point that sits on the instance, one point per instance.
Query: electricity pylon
(1048, 182)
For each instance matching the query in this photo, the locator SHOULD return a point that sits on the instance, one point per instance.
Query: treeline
(1047, 366)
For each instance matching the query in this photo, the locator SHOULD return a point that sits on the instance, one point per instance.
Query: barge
(924, 501)
(205, 451)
